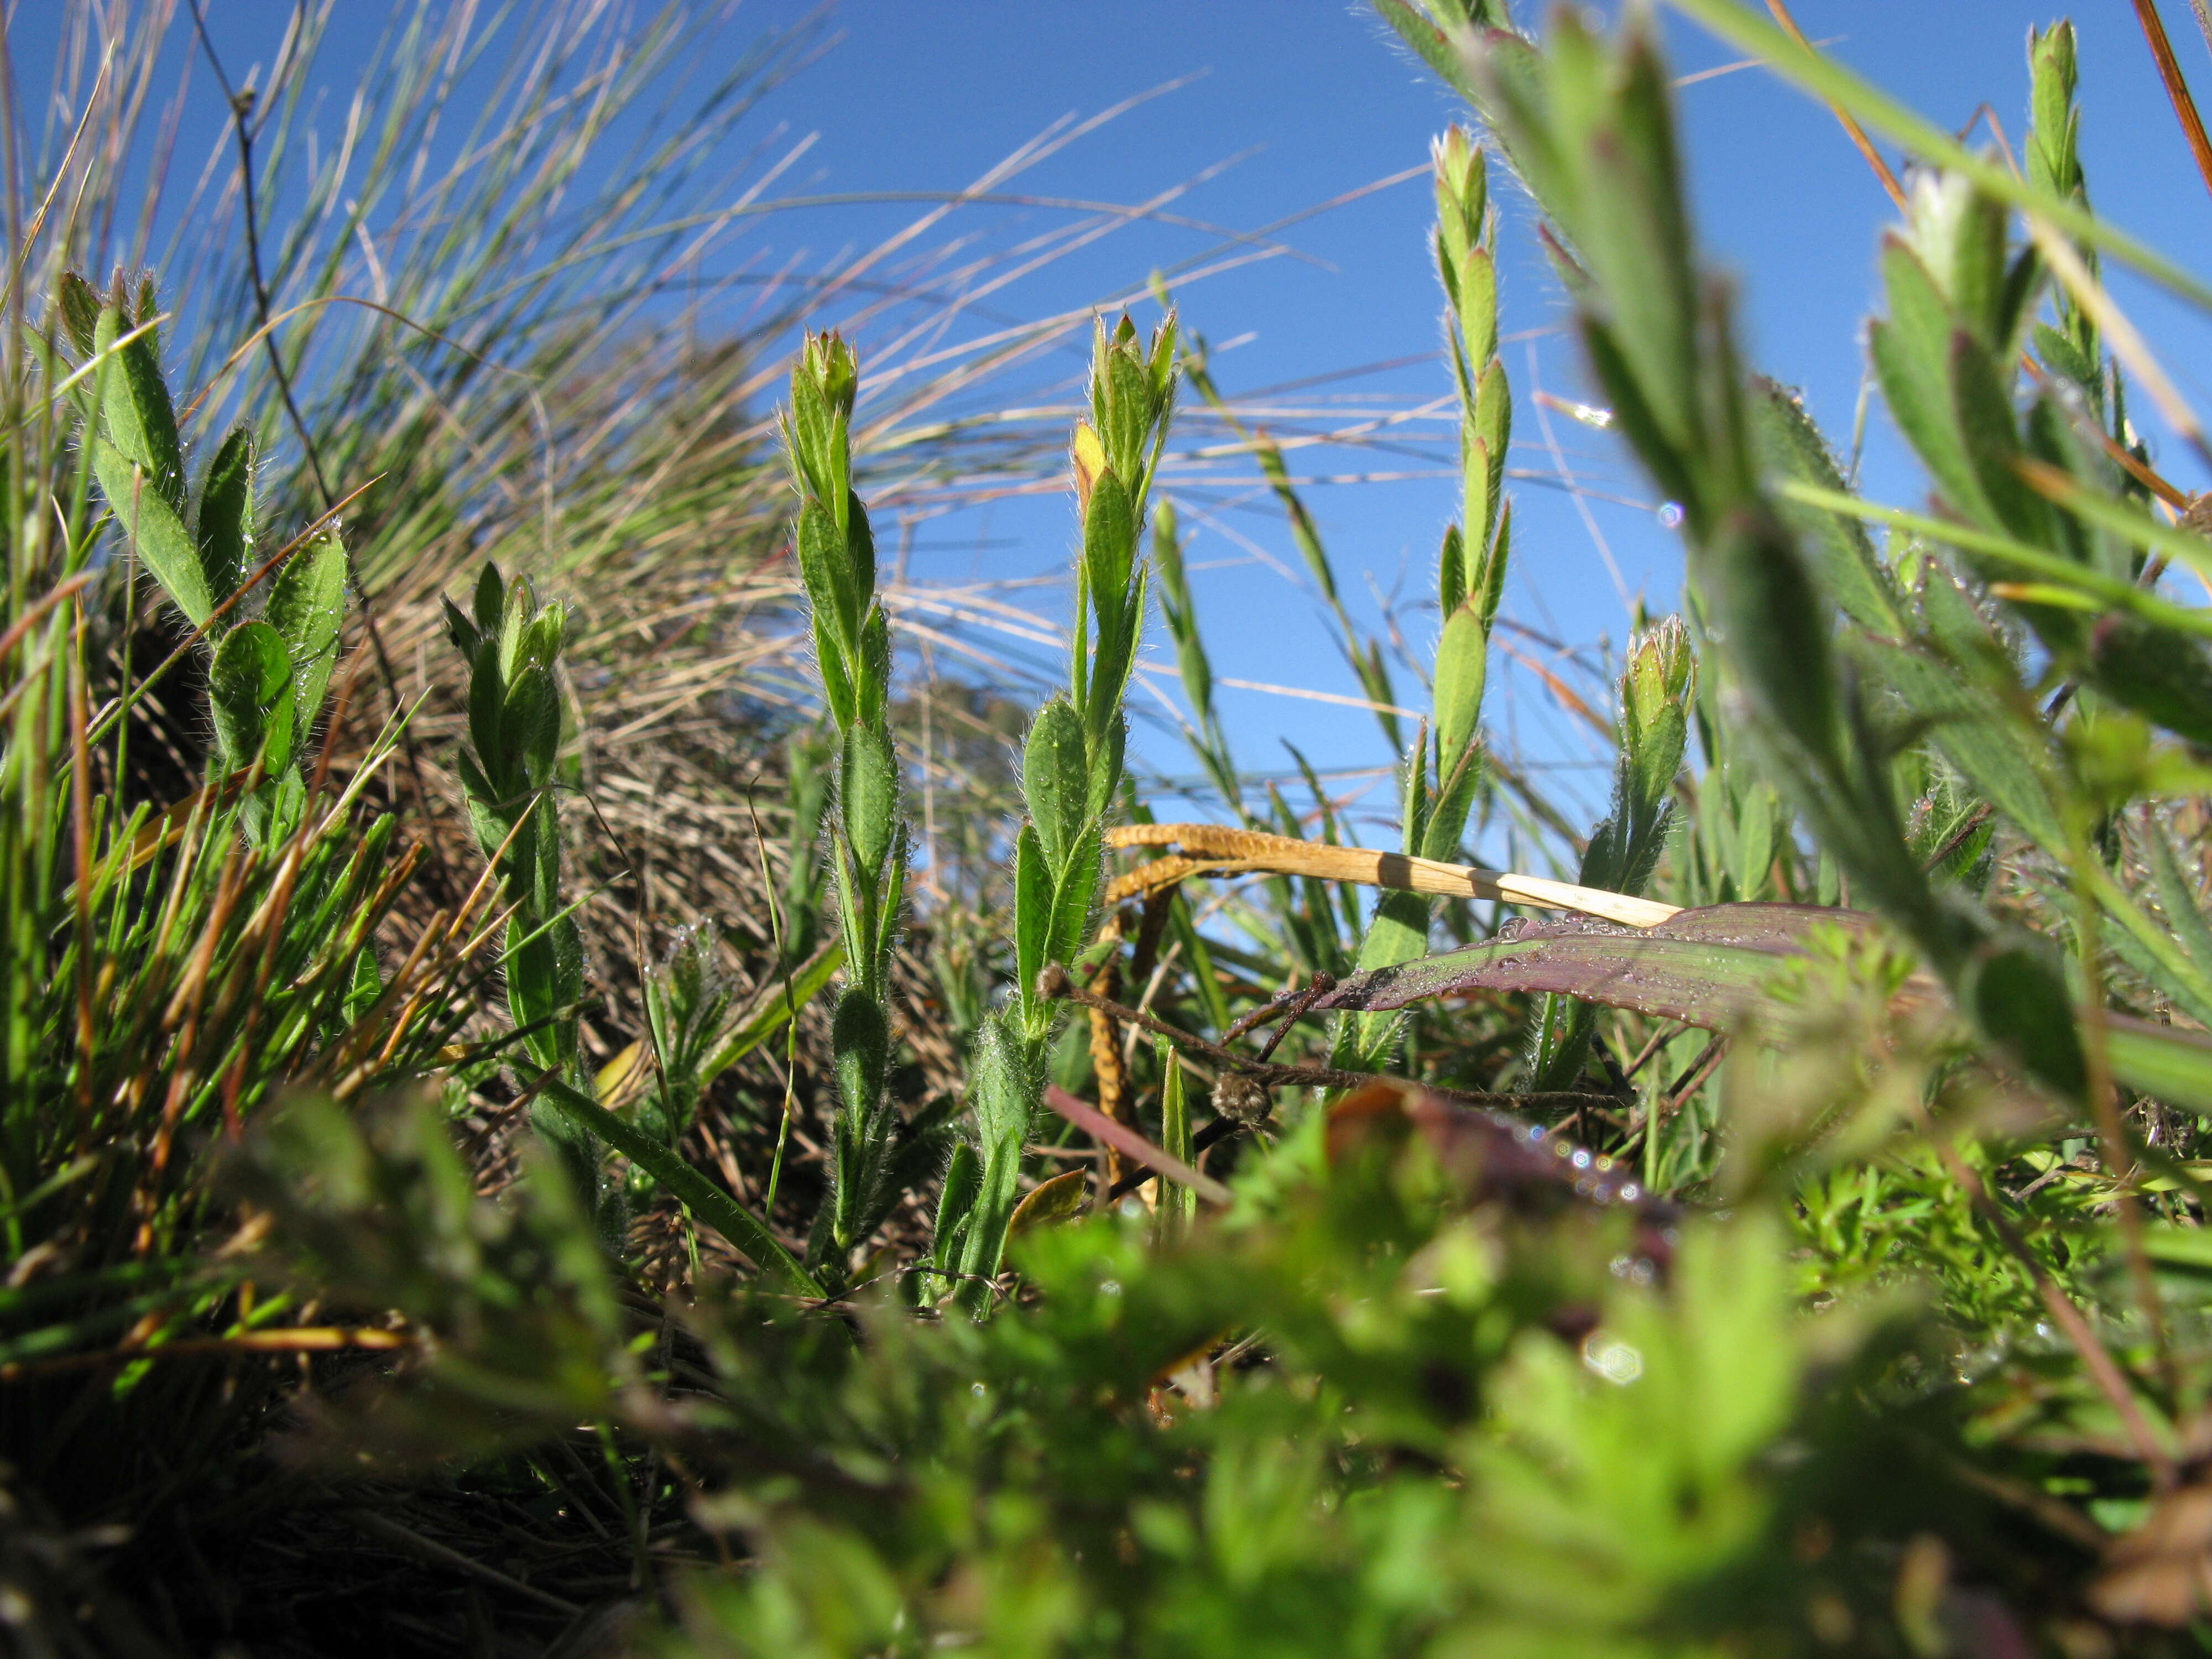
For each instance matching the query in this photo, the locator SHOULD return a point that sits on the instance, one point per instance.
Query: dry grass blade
(2177, 89)
(1858, 134)
(1238, 850)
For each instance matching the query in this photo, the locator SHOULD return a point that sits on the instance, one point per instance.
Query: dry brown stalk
(1106, 1064)
(1234, 849)
(2177, 89)
(1858, 135)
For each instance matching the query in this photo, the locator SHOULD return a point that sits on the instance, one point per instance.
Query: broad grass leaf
(956, 1205)
(489, 600)
(2061, 356)
(2163, 676)
(2020, 998)
(1074, 894)
(79, 307)
(1109, 544)
(1050, 1202)
(147, 518)
(2162, 1060)
(135, 408)
(1989, 432)
(1000, 1092)
(1033, 916)
(515, 616)
(1790, 446)
(246, 686)
(1056, 778)
(1493, 428)
(2008, 767)
(1707, 967)
(530, 726)
(1462, 659)
(590, 1121)
(780, 1001)
(2182, 917)
(1912, 353)
(225, 523)
(1451, 558)
(861, 1044)
(307, 605)
(868, 795)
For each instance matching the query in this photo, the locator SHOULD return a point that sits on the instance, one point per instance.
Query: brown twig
(1096, 1124)
(1319, 987)
(1660, 1038)
(1881, 169)
(1055, 983)
(1248, 1023)
(2177, 89)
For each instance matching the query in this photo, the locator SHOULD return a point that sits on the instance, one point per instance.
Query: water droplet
(1582, 1159)
(1110, 1288)
(1612, 1360)
(976, 1388)
(1670, 515)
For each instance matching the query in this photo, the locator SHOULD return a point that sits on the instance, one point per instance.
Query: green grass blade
(707, 1201)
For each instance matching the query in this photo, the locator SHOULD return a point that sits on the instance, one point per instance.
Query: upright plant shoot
(868, 840)
(1442, 773)
(1072, 766)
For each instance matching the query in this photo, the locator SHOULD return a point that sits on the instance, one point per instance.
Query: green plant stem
(707, 1201)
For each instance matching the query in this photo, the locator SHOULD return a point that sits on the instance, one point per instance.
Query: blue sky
(1255, 111)
(1311, 100)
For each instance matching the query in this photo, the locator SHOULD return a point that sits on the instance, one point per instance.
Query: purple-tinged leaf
(1707, 967)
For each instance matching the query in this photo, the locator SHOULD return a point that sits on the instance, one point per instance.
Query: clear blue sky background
(1307, 100)
(1318, 101)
